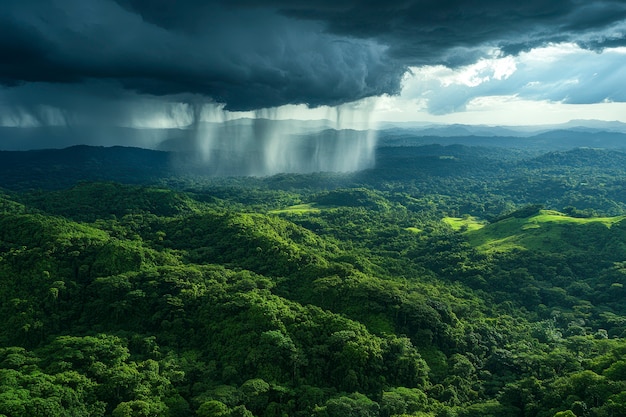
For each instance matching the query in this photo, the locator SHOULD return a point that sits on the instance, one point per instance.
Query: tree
(213, 408)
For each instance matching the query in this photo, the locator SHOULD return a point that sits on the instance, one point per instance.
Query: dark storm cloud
(245, 58)
(252, 54)
(426, 32)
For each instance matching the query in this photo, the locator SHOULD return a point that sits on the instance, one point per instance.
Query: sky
(168, 64)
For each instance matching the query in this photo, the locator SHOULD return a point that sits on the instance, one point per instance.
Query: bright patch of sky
(547, 85)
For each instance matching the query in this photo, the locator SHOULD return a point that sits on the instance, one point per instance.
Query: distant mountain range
(572, 134)
(60, 168)
(176, 138)
(259, 147)
(575, 134)
(445, 130)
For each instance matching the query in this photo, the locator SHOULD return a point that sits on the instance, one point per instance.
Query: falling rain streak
(261, 147)
(272, 141)
(206, 137)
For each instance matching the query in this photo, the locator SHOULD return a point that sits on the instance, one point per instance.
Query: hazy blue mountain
(544, 141)
(449, 130)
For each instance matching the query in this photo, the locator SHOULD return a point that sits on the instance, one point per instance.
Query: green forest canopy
(401, 291)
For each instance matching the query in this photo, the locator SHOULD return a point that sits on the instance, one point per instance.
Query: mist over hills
(552, 140)
(256, 147)
(447, 130)
(170, 138)
(62, 168)
(262, 147)
(574, 134)
(222, 135)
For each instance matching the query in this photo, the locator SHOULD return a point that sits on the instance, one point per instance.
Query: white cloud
(508, 110)
(558, 79)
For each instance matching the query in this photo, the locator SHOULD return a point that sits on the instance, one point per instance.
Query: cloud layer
(565, 74)
(267, 53)
(245, 58)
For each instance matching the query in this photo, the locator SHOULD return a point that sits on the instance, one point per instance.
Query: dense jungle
(447, 281)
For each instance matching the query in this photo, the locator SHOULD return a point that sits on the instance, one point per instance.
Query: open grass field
(298, 209)
(547, 230)
(467, 223)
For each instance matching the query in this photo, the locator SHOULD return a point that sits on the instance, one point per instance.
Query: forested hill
(448, 281)
(60, 168)
(550, 140)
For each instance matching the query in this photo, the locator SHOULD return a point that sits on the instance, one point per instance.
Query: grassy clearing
(467, 223)
(548, 230)
(298, 209)
(547, 216)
